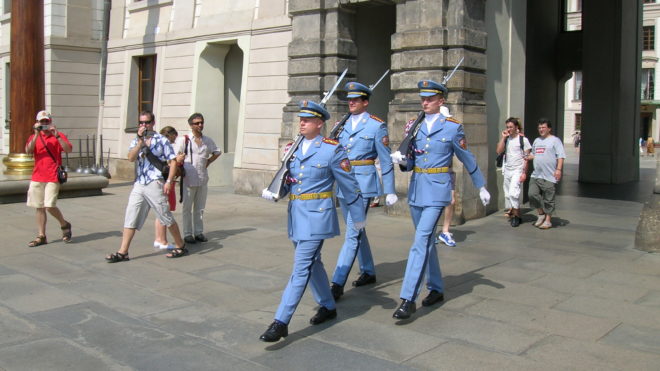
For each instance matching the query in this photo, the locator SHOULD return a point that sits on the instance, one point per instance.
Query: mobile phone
(149, 133)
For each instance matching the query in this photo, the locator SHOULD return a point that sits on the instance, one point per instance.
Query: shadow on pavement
(214, 238)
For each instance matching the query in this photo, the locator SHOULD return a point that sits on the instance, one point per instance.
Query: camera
(149, 133)
(43, 127)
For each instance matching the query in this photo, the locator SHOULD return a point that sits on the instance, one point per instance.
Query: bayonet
(334, 87)
(446, 79)
(373, 86)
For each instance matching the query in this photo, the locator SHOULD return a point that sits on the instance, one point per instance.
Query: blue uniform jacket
(368, 141)
(324, 163)
(434, 150)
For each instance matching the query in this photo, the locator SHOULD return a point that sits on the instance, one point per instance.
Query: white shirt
(429, 120)
(195, 163)
(513, 159)
(355, 119)
(305, 145)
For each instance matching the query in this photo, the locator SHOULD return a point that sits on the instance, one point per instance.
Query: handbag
(62, 175)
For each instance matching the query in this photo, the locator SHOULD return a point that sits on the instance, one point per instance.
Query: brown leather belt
(310, 196)
(362, 162)
(432, 170)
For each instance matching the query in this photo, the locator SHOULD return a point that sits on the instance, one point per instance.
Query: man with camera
(47, 145)
(153, 153)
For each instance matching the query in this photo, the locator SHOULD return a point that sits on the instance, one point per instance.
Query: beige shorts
(42, 194)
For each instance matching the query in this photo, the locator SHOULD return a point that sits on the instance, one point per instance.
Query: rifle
(406, 144)
(276, 186)
(334, 134)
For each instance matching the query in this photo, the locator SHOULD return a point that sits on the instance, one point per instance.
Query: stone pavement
(574, 297)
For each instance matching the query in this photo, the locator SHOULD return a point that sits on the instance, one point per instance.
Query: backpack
(499, 162)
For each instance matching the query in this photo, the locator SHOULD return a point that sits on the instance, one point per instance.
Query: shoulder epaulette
(377, 118)
(453, 120)
(330, 141)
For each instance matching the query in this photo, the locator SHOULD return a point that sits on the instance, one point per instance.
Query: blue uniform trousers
(423, 257)
(355, 244)
(307, 267)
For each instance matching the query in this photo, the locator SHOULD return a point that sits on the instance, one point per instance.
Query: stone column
(611, 59)
(430, 39)
(320, 50)
(27, 80)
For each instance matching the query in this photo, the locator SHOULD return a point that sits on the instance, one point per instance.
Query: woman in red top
(44, 186)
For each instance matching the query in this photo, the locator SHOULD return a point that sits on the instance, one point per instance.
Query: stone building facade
(72, 34)
(246, 64)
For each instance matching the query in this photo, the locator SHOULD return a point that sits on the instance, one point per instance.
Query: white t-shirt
(513, 159)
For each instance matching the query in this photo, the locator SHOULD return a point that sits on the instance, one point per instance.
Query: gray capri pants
(142, 199)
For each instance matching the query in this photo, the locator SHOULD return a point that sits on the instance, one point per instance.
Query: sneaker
(447, 239)
(539, 220)
(160, 246)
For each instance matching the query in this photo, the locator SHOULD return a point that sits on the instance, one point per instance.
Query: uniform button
(348, 150)
(428, 138)
(300, 182)
(301, 174)
(351, 140)
(427, 152)
(426, 146)
(302, 166)
(320, 209)
(298, 189)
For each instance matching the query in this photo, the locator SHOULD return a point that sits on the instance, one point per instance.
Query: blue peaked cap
(428, 88)
(357, 90)
(310, 108)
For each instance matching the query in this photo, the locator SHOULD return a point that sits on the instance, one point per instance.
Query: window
(649, 38)
(6, 6)
(578, 121)
(146, 82)
(648, 77)
(649, 1)
(577, 86)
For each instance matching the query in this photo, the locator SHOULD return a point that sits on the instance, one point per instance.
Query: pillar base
(18, 164)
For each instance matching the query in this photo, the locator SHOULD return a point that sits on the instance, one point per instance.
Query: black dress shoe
(432, 298)
(201, 238)
(275, 332)
(323, 315)
(364, 279)
(406, 309)
(515, 221)
(337, 291)
(190, 239)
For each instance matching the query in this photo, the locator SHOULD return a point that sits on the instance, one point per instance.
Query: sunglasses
(197, 123)
(144, 122)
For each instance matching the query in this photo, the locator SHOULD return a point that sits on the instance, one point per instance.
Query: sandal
(117, 257)
(66, 232)
(38, 241)
(177, 253)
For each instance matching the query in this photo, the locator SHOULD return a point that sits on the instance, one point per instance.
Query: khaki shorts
(42, 194)
(141, 200)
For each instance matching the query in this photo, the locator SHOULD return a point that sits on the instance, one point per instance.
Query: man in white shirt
(200, 152)
(548, 155)
(515, 148)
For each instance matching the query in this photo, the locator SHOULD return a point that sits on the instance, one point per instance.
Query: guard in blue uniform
(434, 146)
(365, 138)
(317, 163)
